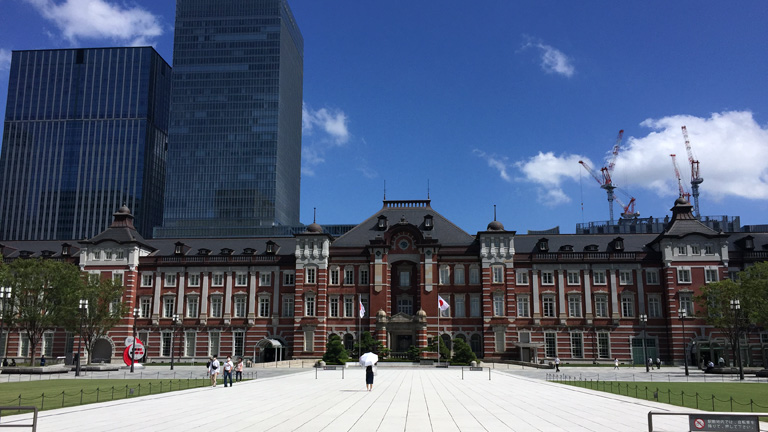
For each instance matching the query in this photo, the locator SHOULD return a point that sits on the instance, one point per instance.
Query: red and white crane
(683, 192)
(696, 178)
(604, 179)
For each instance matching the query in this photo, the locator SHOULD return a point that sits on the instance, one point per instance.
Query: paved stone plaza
(403, 399)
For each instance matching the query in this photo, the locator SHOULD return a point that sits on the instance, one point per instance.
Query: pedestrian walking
(658, 363)
(239, 370)
(213, 370)
(369, 378)
(228, 369)
(557, 364)
(615, 363)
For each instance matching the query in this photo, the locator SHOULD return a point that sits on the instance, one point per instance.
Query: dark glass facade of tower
(234, 148)
(85, 132)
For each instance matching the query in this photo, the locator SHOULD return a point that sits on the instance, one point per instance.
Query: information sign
(723, 423)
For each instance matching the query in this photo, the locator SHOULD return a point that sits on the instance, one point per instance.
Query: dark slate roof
(604, 242)
(413, 212)
(13, 249)
(285, 245)
(736, 241)
(120, 231)
(683, 223)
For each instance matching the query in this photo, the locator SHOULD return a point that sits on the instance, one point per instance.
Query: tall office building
(234, 148)
(85, 131)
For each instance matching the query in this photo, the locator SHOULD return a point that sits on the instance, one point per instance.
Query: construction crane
(628, 210)
(683, 193)
(604, 179)
(696, 179)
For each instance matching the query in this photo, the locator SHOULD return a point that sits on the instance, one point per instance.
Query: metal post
(644, 323)
(133, 345)
(173, 335)
(5, 295)
(83, 312)
(682, 314)
(736, 307)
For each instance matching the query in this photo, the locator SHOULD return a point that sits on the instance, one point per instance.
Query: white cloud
(552, 59)
(5, 59)
(94, 19)
(495, 162)
(322, 130)
(731, 147)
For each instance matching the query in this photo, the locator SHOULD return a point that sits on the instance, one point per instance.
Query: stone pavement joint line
(403, 399)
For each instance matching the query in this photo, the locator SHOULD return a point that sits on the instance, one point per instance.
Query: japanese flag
(362, 309)
(442, 304)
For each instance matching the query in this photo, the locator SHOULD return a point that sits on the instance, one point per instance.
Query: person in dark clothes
(369, 378)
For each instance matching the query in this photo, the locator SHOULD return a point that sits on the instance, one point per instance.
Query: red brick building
(512, 297)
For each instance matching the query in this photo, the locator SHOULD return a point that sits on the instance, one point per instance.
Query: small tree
(105, 310)
(44, 293)
(462, 353)
(335, 353)
(367, 343)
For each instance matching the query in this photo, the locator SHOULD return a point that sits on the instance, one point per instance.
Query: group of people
(215, 367)
(12, 364)
(656, 363)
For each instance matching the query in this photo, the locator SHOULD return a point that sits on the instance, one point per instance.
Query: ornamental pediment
(401, 317)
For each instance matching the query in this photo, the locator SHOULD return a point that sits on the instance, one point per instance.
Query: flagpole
(438, 330)
(359, 325)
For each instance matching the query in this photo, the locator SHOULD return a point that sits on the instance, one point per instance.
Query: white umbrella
(368, 359)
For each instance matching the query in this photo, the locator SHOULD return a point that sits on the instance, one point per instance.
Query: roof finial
(385, 189)
(427, 188)
(494, 212)
(314, 216)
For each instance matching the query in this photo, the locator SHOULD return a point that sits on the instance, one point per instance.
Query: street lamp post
(136, 312)
(83, 313)
(644, 322)
(173, 335)
(683, 314)
(5, 296)
(736, 308)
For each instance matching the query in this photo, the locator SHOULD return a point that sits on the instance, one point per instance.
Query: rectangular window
(709, 249)
(311, 275)
(524, 337)
(598, 277)
(710, 275)
(603, 345)
(498, 274)
(309, 340)
(405, 305)
(170, 279)
(239, 348)
(498, 304)
(214, 344)
(474, 275)
(288, 305)
(96, 255)
(168, 306)
(458, 275)
(548, 301)
(625, 277)
(165, 344)
(683, 275)
(240, 306)
(192, 306)
(523, 306)
(334, 307)
(364, 279)
(686, 302)
(654, 306)
(601, 306)
(445, 275)
(265, 279)
(241, 279)
(309, 306)
(574, 306)
(349, 276)
(145, 307)
(405, 278)
(652, 277)
(108, 255)
(218, 280)
(573, 277)
(349, 306)
(627, 306)
(522, 277)
(577, 345)
(460, 307)
(695, 250)
(48, 344)
(474, 305)
(146, 280)
(681, 250)
(334, 276)
(216, 307)
(194, 280)
(289, 278)
(117, 278)
(550, 344)
(263, 306)
(189, 344)
(120, 254)
(498, 341)
(548, 277)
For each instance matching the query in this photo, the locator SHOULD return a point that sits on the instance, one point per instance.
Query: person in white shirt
(228, 368)
(213, 370)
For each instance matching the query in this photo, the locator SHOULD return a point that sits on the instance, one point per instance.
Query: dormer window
(249, 251)
(749, 243)
(203, 251)
(25, 254)
(618, 244)
(566, 248)
(591, 248)
(382, 224)
(46, 254)
(65, 249)
(428, 222)
(543, 245)
(226, 251)
(179, 248)
(271, 247)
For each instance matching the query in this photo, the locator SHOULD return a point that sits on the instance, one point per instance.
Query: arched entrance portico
(269, 350)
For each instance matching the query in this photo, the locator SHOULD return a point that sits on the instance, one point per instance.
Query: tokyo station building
(512, 297)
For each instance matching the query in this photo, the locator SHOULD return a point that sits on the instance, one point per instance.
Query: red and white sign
(699, 423)
(137, 353)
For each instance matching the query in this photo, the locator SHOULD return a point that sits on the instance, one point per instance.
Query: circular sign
(699, 423)
(138, 352)
(128, 341)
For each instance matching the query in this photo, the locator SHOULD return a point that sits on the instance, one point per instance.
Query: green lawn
(735, 397)
(51, 394)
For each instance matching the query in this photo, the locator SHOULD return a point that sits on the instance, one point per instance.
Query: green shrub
(335, 352)
(462, 353)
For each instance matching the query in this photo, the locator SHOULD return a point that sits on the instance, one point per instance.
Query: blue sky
(495, 102)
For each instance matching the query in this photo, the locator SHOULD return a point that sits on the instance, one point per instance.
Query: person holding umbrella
(369, 360)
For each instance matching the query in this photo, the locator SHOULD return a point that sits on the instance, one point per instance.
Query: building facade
(234, 159)
(527, 298)
(85, 131)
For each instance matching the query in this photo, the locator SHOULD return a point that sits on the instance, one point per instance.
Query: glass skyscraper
(85, 132)
(234, 148)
